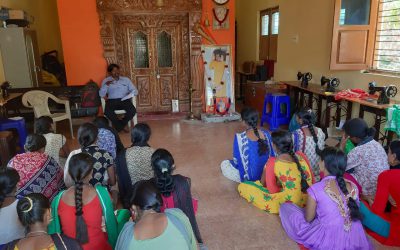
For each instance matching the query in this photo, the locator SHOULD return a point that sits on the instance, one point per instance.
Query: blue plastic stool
(276, 111)
(19, 125)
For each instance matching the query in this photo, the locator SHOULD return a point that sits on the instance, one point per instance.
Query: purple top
(332, 227)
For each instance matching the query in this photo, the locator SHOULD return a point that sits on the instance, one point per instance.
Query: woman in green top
(152, 229)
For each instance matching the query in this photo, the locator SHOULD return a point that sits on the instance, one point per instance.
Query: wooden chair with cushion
(122, 112)
(39, 101)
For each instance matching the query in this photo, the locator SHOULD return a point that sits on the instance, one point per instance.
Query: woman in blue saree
(251, 150)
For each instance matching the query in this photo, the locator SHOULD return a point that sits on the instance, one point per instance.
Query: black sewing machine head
(5, 86)
(331, 83)
(386, 92)
(305, 78)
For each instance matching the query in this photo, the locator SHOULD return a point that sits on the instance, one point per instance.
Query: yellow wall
(46, 24)
(312, 21)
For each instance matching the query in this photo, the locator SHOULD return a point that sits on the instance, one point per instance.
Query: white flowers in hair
(164, 170)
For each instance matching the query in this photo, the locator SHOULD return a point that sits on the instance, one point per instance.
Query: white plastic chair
(39, 101)
(122, 112)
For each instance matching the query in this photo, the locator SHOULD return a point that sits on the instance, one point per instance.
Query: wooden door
(153, 56)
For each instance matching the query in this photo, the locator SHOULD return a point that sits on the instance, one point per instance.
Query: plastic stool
(17, 123)
(276, 111)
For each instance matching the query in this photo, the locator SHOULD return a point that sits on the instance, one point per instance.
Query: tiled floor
(226, 221)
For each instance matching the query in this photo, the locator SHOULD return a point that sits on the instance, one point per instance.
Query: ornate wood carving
(149, 5)
(120, 19)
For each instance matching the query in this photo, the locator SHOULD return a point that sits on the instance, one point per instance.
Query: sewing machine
(331, 83)
(386, 92)
(305, 78)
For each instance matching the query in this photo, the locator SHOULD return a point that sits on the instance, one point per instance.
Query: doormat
(218, 118)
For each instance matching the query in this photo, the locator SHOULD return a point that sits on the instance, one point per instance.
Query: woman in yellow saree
(285, 178)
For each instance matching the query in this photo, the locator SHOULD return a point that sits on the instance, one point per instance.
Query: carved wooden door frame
(109, 9)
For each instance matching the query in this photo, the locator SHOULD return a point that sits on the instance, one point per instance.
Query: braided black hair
(308, 119)
(80, 166)
(9, 179)
(284, 143)
(335, 162)
(163, 166)
(251, 117)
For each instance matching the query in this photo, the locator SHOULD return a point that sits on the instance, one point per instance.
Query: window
(353, 34)
(269, 29)
(366, 35)
(387, 45)
(264, 25)
(275, 23)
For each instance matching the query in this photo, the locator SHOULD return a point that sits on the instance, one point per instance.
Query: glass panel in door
(164, 50)
(141, 50)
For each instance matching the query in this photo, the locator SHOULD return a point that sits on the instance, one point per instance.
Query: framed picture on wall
(220, 18)
(219, 89)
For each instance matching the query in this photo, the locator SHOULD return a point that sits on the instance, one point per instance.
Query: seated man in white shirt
(120, 91)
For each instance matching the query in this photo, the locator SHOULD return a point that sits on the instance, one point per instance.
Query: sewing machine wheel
(308, 76)
(391, 91)
(335, 82)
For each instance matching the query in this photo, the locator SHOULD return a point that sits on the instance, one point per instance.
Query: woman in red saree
(39, 172)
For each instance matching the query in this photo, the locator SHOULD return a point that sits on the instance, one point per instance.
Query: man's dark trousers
(117, 104)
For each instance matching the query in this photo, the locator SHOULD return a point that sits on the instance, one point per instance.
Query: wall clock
(221, 2)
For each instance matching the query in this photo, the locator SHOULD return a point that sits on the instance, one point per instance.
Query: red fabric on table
(351, 93)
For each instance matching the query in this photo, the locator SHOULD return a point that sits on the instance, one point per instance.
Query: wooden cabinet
(254, 93)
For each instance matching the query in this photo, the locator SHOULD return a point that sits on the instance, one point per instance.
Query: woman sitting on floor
(56, 145)
(34, 213)
(251, 150)
(367, 160)
(10, 227)
(175, 189)
(285, 178)
(108, 138)
(331, 219)
(153, 229)
(134, 164)
(39, 172)
(79, 211)
(309, 139)
(103, 168)
(385, 223)
(138, 157)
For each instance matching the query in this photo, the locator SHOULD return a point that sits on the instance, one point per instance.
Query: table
(255, 92)
(243, 77)
(4, 101)
(313, 89)
(378, 110)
